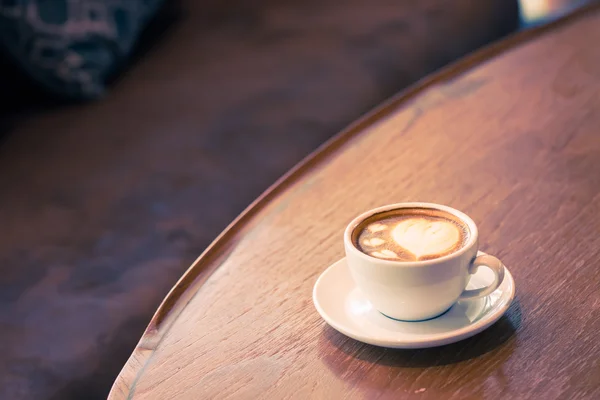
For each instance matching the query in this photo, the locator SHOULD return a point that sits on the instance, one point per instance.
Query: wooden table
(510, 135)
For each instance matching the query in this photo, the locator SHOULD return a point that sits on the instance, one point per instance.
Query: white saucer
(345, 308)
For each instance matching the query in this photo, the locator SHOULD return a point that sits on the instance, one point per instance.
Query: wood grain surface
(511, 136)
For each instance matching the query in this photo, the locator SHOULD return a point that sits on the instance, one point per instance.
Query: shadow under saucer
(463, 366)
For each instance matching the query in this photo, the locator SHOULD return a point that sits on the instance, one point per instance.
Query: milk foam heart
(424, 237)
(410, 235)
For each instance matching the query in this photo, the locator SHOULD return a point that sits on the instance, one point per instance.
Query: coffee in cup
(410, 234)
(413, 261)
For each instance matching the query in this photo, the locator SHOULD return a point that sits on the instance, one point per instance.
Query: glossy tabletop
(509, 135)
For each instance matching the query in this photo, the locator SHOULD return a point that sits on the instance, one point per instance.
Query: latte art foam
(413, 234)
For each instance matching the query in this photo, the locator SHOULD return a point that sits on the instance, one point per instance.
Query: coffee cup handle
(497, 268)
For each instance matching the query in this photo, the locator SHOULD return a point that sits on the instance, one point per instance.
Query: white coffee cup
(419, 290)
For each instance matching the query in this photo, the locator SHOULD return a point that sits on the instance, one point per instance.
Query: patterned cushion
(71, 46)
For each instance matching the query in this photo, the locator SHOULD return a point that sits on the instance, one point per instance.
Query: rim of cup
(473, 233)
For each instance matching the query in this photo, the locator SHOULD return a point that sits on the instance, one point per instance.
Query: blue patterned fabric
(71, 46)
